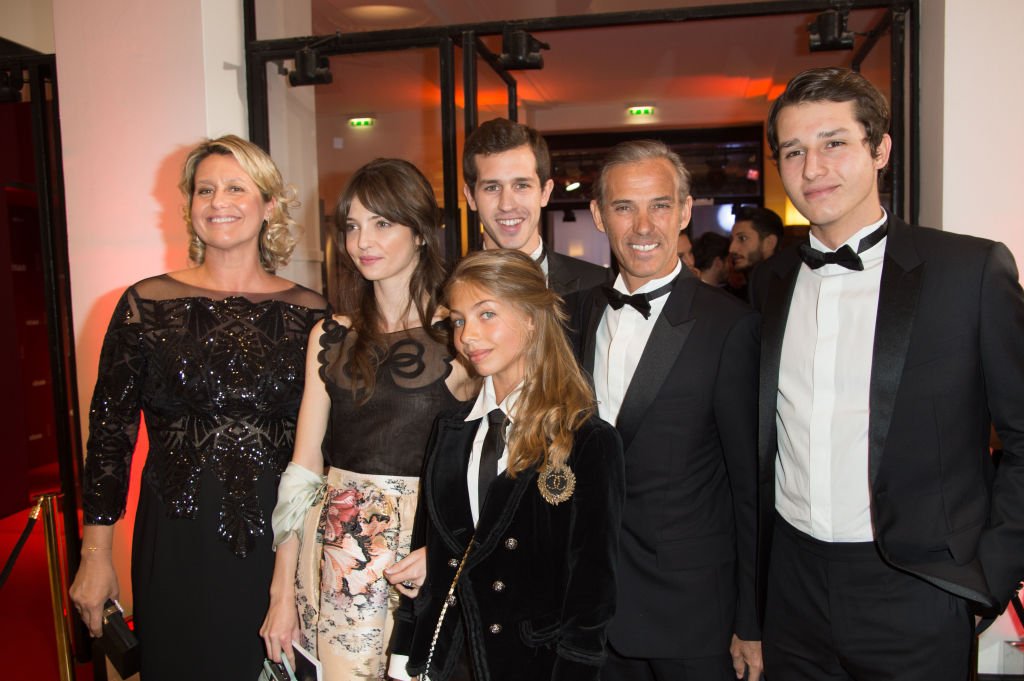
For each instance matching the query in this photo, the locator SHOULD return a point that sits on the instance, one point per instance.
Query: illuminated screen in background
(717, 217)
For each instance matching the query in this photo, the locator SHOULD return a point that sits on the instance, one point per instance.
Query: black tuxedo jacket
(568, 275)
(948, 361)
(689, 432)
(538, 587)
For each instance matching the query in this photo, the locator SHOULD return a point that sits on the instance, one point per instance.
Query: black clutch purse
(118, 642)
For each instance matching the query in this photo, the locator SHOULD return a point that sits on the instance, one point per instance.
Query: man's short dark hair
(766, 222)
(707, 247)
(498, 135)
(834, 84)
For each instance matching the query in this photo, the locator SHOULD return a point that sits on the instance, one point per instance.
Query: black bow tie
(641, 302)
(845, 255)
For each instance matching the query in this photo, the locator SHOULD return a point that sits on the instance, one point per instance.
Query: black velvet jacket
(538, 588)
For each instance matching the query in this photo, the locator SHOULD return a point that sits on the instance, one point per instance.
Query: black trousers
(711, 668)
(839, 612)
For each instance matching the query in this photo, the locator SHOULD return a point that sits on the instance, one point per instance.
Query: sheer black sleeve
(114, 416)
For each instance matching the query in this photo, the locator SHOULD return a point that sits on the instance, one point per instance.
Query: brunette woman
(523, 493)
(375, 379)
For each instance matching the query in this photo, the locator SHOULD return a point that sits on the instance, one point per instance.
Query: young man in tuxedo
(674, 363)
(887, 351)
(506, 167)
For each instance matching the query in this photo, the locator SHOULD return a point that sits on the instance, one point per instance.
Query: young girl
(523, 494)
(376, 379)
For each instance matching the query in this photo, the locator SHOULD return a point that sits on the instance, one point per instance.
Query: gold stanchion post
(57, 591)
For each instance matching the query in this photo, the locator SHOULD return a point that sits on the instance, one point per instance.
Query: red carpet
(27, 640)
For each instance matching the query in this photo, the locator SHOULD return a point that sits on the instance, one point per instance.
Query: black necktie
(845, 255)
(494, 445)
(641, 302)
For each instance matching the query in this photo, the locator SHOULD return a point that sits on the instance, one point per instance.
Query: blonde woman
(213, 357)
(523, 494)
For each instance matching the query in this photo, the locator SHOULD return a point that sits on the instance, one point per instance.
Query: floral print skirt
(346, 606)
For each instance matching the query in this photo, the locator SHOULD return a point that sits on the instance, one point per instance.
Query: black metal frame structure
(904, 20)
(49, 188)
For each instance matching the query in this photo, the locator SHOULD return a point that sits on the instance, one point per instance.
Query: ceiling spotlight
(569, 215)
(828, 31)
(572, 186)
(520, 50)
(310, 69)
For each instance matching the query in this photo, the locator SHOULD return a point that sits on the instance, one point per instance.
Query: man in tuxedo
(674, 363)
(506, 167)
(887, 350)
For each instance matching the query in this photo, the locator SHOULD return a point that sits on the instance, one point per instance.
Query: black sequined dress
(218, 376)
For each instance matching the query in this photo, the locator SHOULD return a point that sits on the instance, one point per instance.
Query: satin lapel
(446, 472)
(595, 310)
(774, 316)
(503, 497)
(670, 332)
(902, 273)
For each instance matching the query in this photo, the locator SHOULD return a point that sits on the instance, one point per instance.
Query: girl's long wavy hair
(397, 191)
(278, 235)
(556, 398)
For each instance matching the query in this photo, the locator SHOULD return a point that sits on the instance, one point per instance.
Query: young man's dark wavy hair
(498, 135)
(834, 84)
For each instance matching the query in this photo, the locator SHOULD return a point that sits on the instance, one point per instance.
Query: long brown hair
(556, 398)
(397, 191)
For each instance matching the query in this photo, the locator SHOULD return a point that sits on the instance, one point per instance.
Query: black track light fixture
(310, 69)
(828, 30)
(520, 50)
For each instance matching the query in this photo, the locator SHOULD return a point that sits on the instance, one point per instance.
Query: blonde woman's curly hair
(278, 235)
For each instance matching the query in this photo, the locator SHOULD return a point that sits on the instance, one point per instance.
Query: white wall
(968, 123)
(28, 23)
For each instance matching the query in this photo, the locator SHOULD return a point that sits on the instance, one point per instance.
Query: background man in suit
(710, 257)
(756, 235)
(674, 363)
(887, 350)
(506, 167)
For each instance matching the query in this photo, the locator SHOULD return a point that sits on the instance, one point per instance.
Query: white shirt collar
(538, 251)
(854, 241)
(651, 285)
(869, 257)
(486, 402)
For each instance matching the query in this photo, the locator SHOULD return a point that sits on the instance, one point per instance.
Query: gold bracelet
(95, 548)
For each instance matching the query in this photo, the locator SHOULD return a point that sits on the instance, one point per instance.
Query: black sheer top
(388, 434)
(219, 378)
